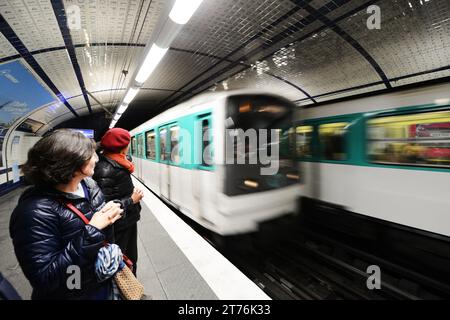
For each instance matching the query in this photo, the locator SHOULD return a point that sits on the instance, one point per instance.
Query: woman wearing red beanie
(113, 175)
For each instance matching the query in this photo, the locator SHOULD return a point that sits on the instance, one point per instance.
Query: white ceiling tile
(102, 67)
(414, 37)
(6, 49)
(34, 22)
(115, 21)
(58, 67)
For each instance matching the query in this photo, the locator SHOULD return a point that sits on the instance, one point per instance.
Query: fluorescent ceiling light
(122, 109)
(152, 59)
(116, 117)
(130, 95)
(183, 10)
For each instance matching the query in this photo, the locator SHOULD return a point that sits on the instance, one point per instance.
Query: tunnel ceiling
(308, 51)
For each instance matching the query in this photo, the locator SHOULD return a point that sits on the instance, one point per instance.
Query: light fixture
(152, 59)
(183, 10)
(116, 117)
(130, 95)
(122, 109)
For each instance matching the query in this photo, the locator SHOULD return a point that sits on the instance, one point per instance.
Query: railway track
(307, 265)
(312, 266)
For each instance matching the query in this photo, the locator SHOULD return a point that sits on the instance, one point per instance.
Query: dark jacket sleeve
(105, 177)
(41, 251)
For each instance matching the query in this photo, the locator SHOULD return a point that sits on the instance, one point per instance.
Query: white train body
(200, 191)
(412, 193)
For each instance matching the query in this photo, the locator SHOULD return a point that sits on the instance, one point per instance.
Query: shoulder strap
(77, 212)
(69, 205)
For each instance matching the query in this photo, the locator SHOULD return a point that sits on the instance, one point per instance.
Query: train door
(133, 153)
(176, 175)
(140, 155)
(164, 154)
(203, 159)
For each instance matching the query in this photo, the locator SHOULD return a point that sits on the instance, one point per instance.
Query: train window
(304, 139)
(414, 139)
(140, 146)
(162, 144)
(332, 141)
(206, 143)
(150, 142)
(175, 144)
(133, 146)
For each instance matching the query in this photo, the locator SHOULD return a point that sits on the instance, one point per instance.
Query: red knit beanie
(115, 139)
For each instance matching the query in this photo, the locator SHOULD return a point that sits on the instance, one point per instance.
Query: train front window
(259, 136)
(256, 118)
(415, 139)
(332, 141)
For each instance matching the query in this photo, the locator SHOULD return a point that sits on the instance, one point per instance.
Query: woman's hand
(137, 195)
(109, 214)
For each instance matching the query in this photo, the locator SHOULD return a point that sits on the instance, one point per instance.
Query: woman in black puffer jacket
(52, 244)
(113, 175)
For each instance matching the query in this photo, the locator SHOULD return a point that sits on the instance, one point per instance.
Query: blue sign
(87, 132)
(20, 93)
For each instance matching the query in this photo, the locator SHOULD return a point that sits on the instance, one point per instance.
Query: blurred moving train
(180, 155)
(385, 157)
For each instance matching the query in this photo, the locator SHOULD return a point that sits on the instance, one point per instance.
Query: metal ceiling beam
(344, 35)
(123, 89)
(170, 49)
(60, 14)
(107, 44)
(14, 40)
(382, 91)
(99, 103)
(421, 73)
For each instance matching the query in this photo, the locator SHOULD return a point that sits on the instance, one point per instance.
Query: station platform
(174, 263)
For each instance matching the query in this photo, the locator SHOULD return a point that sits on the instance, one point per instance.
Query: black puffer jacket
(115, 182)
(48, 238)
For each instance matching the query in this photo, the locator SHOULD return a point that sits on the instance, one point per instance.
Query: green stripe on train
(356, 137)
(192, 125)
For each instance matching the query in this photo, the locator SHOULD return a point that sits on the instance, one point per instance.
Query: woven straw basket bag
(129, 285)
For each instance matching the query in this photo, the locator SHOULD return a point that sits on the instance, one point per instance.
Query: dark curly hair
(56, 157)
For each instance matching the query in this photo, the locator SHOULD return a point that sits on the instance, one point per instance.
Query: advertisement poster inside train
(20, 94)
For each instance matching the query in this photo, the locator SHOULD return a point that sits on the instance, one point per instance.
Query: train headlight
(251, 184)
(293, 176)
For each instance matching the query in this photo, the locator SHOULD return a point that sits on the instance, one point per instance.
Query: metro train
(182, 156)
(385, 157)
